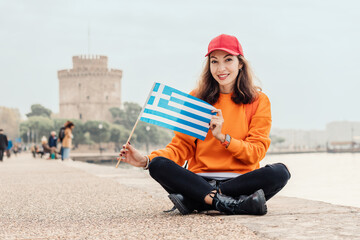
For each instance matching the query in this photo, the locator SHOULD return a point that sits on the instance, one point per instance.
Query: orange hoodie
(247, 147)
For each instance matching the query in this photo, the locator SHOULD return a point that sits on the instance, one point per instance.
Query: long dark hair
(69, 124)
(244, 89)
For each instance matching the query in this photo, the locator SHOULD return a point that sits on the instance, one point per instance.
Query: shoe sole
(261, 196)
(179, 205)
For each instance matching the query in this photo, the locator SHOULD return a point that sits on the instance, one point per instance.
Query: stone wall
(89, 89)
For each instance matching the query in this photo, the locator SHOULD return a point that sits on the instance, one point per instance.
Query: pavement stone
(50, 199)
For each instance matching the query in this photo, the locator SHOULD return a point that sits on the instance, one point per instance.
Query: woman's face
(224, 68)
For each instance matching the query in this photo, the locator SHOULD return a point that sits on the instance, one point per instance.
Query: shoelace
(170, 210)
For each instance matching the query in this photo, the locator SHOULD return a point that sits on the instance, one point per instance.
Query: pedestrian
(67, 141)
(34, 150)
(47, 148)
(61, 137)
(3, 144)
(16, 149)
(53, 139)
(8, 149)
(224, 173)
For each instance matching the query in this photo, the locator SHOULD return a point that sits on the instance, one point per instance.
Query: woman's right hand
(132, 156)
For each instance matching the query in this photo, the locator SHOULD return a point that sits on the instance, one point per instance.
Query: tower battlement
(90, 62)
(71, 73)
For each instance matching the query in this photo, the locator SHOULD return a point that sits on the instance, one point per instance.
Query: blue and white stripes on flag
(170, 108)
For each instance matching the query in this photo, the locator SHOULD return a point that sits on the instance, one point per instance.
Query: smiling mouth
(223, 76)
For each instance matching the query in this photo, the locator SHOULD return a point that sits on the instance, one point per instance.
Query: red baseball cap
(225, 43)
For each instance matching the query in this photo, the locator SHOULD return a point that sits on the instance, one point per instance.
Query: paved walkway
(48, 199)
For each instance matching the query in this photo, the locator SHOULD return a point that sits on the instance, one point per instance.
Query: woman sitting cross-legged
(223, 173)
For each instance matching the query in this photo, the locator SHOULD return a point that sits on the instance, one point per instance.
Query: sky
(305, 53)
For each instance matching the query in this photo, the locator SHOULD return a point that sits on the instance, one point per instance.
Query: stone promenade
(50, 199)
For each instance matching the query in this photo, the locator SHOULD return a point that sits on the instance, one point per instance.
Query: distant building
(297, 140)
(337, 134)
(89, 89)
(343, 131)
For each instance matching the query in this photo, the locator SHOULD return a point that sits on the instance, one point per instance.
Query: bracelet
(147, 163)
(226, 141)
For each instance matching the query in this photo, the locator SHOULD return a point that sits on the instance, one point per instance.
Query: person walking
(67, 141)
(3, 144)
(223, 173)
(61, 138)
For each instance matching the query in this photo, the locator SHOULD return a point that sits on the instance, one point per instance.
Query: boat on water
(343, 147)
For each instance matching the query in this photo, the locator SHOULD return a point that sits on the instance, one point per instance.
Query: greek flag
(170, 108)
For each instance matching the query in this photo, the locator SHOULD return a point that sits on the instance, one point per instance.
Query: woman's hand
(216, 123)
(132, 156)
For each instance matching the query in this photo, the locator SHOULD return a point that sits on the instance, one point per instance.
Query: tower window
(88, 97)
(107, 97)
(80, 116)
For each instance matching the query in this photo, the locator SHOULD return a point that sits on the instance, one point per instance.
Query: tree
(39, 110)
(148, 134)
(119, 135)
(118, 115)
(87, 139)
(35, 128)
(58, 123)
(25, 132)
(126, 117)
(98, 134)
(276, 139)
(131, 111)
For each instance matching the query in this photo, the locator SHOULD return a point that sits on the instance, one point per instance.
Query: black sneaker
(184, 206)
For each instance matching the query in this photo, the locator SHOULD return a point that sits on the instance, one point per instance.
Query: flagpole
(137, 120)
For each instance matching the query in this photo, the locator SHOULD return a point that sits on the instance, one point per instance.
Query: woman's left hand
(216, 123)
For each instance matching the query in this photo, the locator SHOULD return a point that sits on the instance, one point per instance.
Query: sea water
(328, 177)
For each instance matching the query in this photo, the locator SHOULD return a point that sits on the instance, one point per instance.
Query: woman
(224, 172)
(67, 141)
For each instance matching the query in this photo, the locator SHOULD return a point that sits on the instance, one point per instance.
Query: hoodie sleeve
(255, 145)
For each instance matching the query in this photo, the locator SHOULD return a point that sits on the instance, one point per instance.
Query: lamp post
(147, 128)
(28, 137)
(100, 127)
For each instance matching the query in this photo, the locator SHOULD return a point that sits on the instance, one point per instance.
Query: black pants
(175, 179)
(1, 154)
